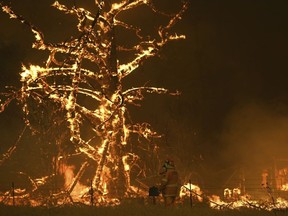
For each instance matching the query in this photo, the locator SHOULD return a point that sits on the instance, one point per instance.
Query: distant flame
(233, 199)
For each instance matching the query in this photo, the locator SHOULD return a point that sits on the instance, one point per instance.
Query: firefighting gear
(154, 191)
(169, 201)
(169, 182)
(169, 164)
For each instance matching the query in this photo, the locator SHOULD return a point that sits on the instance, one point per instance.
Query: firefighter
(169, 186)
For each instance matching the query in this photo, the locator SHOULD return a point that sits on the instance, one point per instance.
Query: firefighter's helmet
(168, 164)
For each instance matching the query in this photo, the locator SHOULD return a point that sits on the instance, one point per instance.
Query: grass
(132, 209)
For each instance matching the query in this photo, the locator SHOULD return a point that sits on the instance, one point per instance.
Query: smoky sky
(231, 71)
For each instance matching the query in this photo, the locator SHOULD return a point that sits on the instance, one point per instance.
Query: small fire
(68, 172)
(284, 187)
(78, 190)
(191, 189)
(232, 199)
(232, 194)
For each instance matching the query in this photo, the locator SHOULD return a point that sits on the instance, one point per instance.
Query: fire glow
(62, 84)
(232, 199)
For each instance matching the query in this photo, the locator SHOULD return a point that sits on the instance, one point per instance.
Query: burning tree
(67, 97)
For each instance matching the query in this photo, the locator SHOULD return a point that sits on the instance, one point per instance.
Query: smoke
(255, 135)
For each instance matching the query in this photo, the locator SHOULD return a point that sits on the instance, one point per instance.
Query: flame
(284, 187)
(126, 165)
(117, 6)
(68, 172)
(188, 188)
(32, 73)
(233, 199)
(63, 83)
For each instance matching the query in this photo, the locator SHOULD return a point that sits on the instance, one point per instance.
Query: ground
(133, 208)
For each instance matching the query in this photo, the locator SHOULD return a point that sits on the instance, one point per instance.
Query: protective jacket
(169, 182)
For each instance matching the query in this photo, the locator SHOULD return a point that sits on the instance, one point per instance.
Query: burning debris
(232, 199)
(66, 98)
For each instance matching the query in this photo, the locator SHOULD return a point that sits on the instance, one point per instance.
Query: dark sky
(232, 72)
